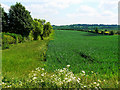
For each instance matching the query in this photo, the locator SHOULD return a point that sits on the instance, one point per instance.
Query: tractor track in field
(89, 58)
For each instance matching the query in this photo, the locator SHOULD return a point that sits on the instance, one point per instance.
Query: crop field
(83, 51)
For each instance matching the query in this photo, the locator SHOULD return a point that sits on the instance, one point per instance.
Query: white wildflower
(83, 72)
(79, 79)
(96, 88)
(42, 74)
(69, 80)
(74, 77)
(42, 80)
(68, 66)
(43, 69)
(63, 80)
(94, 82)
(34, 78)
(99, 80)
(37, 68)
(61, 70)
(34, 75)
(98, 84)
(66, 78)
(64, 68)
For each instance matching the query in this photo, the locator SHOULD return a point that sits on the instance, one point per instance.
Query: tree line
(19, 21)
(86, 27)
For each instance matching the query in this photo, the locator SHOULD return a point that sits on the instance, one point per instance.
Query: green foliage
(111, 33)
(102, 32)
(85, 27)
(118, 32)
(96, 30)
(42, 21)
(31, 37)
(20, 20)
(5, 25)
(47, 29)
(38, 29)
(10, 38)
(106, 32)
(18, 38)
(6, 40)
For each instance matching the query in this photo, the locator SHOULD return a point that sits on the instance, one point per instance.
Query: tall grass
(20, 59)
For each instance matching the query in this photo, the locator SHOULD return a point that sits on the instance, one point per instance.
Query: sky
(66, 12)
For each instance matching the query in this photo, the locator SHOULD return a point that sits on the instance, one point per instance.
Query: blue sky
(64, 12)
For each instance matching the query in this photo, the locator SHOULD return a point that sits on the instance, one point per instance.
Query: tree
(96, 30)
(111, 33)
(47, 29)
(38, 29)
(42, 21)
(20, 20)
(5, 24)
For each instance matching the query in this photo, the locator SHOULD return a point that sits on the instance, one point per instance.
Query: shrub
(10, 38)
(96, 30)
(102, 32)
(31, 37)
(6, 40)
(111, 33)
(93, 31)
(106, 33)
(89, 31)
(18, 38)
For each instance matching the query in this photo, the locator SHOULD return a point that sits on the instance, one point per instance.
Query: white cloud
(108, 4)
(85, 11)
(40, 9)
(6, 7)
(87, 14)
(88, 11)
(63, 3)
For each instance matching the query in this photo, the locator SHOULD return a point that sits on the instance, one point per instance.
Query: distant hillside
(86, 27)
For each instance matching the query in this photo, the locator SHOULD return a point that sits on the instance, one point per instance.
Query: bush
(106, 33)
(10, 38)
(111, 33)
(18, 38)
(89, 31)
(31, 37)
(5, 46)
(102, 32)
(6, 40)
(96, 30)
